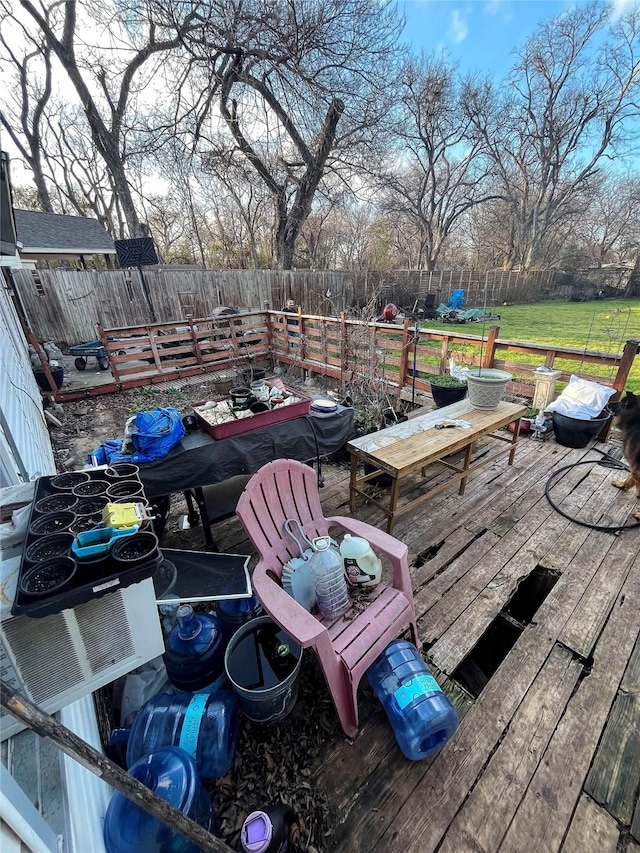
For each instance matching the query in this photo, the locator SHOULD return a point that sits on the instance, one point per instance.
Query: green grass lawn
(597, 326)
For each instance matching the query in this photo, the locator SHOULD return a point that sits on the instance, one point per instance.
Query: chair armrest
(297, 622)
(395, 550)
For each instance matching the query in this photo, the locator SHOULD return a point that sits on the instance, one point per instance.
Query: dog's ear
(631, 400)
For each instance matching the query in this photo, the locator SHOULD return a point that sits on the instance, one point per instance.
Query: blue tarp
(153, 434)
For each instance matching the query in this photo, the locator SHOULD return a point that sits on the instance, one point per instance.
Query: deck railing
(400, 357)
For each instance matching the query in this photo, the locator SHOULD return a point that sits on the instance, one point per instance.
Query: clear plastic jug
(361, 564)
(327, 572)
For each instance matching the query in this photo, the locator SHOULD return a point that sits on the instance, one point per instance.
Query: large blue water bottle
(422, 717)
(194, 655)
(234, 612)
(172, 775)
(205, 725)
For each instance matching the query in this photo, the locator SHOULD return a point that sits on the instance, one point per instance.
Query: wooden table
(408, 447)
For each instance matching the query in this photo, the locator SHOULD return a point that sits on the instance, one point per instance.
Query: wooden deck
(531, 623)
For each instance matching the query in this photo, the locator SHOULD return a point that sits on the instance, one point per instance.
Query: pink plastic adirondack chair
(347, 646)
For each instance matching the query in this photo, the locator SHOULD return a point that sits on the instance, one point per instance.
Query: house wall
(25, 446)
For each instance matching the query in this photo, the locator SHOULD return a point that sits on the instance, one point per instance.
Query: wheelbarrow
(85, 351)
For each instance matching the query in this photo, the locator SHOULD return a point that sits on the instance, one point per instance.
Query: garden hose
(554, 479)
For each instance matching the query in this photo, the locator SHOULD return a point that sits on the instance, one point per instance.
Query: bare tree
(568, 106)
(105, 87)
(609, 226)
(296, 84)
(439, 171)
(27, 102)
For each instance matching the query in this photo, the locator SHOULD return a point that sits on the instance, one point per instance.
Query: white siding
(25, 447)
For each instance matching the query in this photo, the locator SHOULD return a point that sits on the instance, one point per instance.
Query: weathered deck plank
(589, 617)
(487, 813)
(614, 778)
(591, 829)
(543, 815)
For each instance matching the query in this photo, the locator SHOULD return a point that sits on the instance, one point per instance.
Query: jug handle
(301, 534)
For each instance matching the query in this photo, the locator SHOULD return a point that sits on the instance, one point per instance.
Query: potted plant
(446, 390)
(526, 422)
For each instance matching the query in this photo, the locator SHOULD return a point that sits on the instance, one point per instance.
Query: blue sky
(480, 34)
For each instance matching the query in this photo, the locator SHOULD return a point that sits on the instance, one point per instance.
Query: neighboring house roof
(54, 234)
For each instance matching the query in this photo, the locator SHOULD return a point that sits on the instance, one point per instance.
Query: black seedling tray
(90, 581)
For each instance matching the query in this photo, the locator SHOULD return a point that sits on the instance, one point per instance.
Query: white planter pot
(486, 387)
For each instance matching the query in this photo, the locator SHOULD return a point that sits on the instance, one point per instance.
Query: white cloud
(459, 28)
(619, 7)
(492, 7)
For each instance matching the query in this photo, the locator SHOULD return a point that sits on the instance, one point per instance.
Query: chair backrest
(280, 490)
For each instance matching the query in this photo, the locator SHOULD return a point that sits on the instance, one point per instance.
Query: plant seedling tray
(296, 405)
(90, 581)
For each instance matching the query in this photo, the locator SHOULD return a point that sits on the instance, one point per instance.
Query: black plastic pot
(48, 547)
(121, 470)
(49, 577)
(91, 505)
(52, 522)
(67, 482)
(251, 374)
(85, 522)
(241, 397)
(133, 550)
(90, 489)
(446, 395)
(62, 502)
(574, 432)
(43, 383)
(125, 489)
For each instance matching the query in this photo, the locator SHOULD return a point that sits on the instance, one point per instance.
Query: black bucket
(574, 432)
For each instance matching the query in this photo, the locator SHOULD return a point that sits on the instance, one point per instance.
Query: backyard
(596, 326)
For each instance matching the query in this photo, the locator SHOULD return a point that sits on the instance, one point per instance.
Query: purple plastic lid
(256, 833)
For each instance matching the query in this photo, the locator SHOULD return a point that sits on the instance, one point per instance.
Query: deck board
(591, 829)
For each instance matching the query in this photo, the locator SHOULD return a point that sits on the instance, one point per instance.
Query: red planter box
(283, 412)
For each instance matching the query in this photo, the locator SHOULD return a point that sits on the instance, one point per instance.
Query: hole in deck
(475, 670)
(530, 594)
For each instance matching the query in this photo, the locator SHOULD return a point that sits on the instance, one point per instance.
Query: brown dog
(627, 411)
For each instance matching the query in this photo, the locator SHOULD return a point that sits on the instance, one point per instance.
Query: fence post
(490, 352)
(104, 342)
(630, 351)
(404, 356)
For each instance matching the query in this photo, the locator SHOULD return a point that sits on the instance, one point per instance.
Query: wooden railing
(400, 357)
(406, 356)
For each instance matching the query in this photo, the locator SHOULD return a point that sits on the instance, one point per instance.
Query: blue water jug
(205, 725)
(172, 775)
(234, 612)
(422, 717)
(194, 655)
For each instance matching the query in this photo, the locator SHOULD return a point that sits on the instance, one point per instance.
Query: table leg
(352, 481)
(465, 467)
(204, 516)
(393, 503)
(514, 441)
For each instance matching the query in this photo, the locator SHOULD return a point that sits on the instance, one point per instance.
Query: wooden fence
(391, 357)
(65, 305)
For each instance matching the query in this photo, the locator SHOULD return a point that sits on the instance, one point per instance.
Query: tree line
(305, 133)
